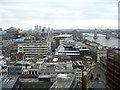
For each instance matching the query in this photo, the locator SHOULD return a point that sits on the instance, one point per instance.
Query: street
(99, 78)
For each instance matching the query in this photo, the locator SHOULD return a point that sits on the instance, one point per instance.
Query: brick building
(113, 68)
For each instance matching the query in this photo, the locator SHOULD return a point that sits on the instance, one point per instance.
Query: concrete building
(23, 64)
(7, 36)
(77, 36)
(68, 44)
(63, 36)
(78, 64)
(75, 54)
(43, 75)
(21, 41)
(10, 83)
(39, 83)
(64, 81)
(13, 31)
(96, 50)
(47, 78)
(2, 61)
(0, 43)
(49, 69)
(84, 51)
(33, 48)
(78, 73)
(61, 51)
(113, 68)
(14, 70)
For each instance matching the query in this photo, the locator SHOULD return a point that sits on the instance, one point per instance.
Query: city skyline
(59, 14)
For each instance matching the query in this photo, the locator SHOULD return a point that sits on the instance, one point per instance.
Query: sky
(59, 14)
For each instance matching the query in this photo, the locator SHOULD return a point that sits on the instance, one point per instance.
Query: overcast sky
(60, 14)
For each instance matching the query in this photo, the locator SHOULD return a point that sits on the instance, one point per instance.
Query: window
(35, 72)
(20, 47)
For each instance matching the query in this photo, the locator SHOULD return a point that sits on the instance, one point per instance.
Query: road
(99, 78)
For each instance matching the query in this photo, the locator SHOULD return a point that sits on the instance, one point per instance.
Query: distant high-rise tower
(49, 39)
(1, 43)
(37, 28)
(95, 34)
(107, 34)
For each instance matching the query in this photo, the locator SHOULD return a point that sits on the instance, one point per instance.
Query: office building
(2, 61)
(33, 48)
(0, 43)
(10, 83)
(63, 36)
(57, 42)
(14, 70)
(64, 81)
(37, 28)
(7, 36)
(113, 68)
(47, 78)
(75, 54)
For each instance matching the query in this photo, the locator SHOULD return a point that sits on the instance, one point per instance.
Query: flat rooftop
(64, 35)
(28, 79)
(9, 82)
(64, 82)
(51, 67)
(69, 51)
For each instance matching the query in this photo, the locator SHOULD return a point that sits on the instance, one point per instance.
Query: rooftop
(63, 81)
(46, 76)
(55, 59)
(64, 35)
(28, 79)
(51, 67)
(2, 57)
(69, 51)
(22, 62)
(9, 82)
(84, 49)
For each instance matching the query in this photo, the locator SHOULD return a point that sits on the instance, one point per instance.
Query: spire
(107, 34)
(95, 34)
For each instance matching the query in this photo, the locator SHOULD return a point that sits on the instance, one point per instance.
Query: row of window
(111, 83)
(36, 73)
(16, 69)
(14, 73)
(113, 72)
(115, 78)
(35, 49)
(114, 62)
(114, 67)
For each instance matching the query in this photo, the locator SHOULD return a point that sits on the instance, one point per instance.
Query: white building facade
(32, 49)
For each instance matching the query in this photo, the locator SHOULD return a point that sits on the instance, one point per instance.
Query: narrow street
(99, 78)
